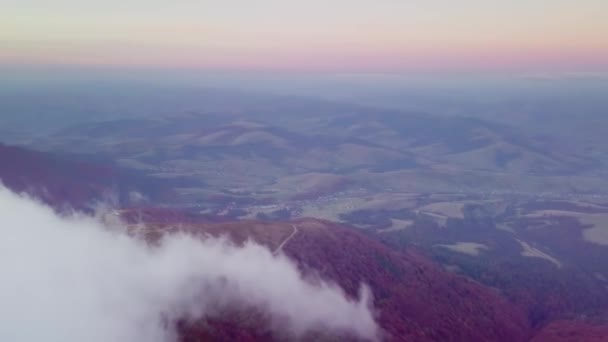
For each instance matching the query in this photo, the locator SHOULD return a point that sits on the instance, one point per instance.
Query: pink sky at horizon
(357, 35)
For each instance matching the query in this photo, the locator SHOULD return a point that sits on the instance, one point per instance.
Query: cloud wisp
(71, 278)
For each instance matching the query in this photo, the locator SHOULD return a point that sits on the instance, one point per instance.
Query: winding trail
(280, 248)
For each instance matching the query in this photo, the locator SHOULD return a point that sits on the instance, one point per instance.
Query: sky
(313, 35)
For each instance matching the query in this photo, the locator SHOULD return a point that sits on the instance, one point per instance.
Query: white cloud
(73, 279)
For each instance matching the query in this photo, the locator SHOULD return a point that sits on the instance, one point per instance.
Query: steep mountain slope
(572, 331)
(547, 257)
(415, 299)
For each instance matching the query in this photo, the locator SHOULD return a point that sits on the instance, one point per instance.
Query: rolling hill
(74, 183)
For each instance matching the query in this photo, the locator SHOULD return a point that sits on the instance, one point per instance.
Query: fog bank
(73, 279)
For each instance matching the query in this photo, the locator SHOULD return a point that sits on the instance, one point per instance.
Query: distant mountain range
(375, 149)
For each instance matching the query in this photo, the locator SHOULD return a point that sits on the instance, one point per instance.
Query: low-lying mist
(72, 278)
